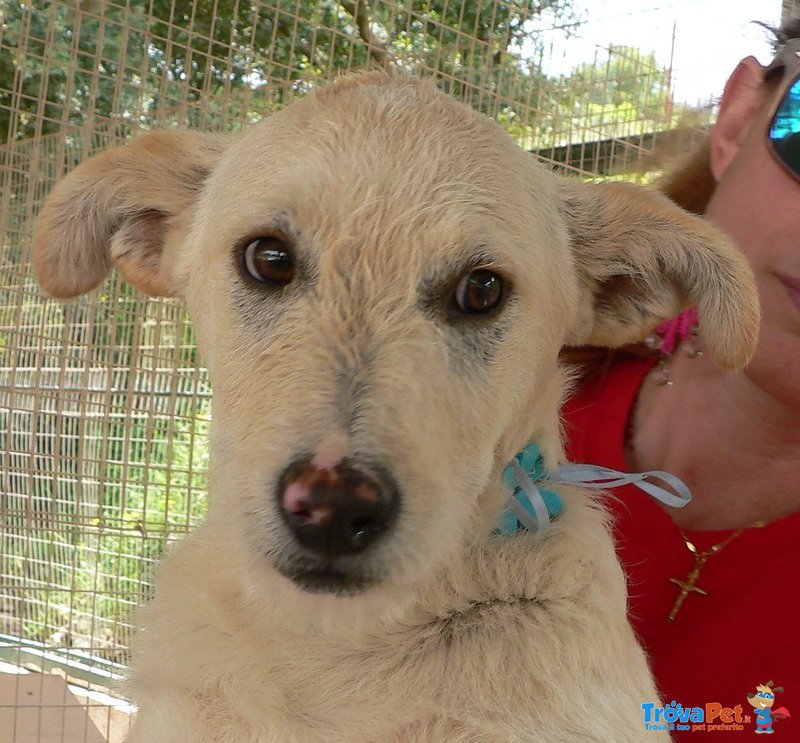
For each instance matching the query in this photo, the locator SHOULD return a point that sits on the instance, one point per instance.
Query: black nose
(340, 510)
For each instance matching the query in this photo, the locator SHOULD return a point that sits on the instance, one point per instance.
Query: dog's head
(381, 281)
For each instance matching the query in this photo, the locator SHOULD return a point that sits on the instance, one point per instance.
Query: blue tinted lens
(784, 132)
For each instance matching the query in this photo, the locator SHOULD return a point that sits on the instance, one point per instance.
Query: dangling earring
(667, 336)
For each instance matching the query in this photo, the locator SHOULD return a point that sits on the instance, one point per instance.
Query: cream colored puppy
(381, 281)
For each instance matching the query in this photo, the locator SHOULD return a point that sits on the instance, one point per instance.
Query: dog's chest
(453, 666)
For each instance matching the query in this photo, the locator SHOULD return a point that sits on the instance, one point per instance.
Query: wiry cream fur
(388, 190)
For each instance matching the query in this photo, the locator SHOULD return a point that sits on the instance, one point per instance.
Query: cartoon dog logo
(762, 702)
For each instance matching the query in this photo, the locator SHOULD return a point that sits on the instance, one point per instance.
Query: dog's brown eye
(478, 292)
(268, 260)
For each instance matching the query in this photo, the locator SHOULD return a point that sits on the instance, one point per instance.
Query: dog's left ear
(129, 207)
(641, 260)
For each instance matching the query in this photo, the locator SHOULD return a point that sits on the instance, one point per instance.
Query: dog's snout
(336, 510)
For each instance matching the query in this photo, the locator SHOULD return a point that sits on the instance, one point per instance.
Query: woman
(715, 587)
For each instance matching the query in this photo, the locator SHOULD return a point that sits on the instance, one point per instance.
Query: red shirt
(746, 631)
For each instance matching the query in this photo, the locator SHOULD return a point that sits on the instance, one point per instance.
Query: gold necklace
(687, 585)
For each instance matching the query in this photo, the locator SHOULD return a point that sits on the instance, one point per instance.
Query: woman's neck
(735, 446)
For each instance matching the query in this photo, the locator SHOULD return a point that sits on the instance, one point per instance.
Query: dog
(381, 281)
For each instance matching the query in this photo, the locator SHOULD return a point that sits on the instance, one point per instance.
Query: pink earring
(667, 336)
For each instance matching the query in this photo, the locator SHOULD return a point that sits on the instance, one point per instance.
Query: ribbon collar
(533, 506)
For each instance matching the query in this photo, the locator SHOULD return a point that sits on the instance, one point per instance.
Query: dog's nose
(337, 510)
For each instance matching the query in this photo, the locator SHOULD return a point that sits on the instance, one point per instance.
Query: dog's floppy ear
(641, 259)
(128, 207)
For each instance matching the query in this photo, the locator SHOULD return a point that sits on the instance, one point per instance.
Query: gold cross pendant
(688, 586)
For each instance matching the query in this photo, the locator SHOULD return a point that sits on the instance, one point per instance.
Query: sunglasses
(784, 126)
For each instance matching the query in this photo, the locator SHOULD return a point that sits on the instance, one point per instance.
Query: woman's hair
(690, 186)
(783, 33)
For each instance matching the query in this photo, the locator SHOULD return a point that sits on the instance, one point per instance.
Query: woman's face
(757, 203)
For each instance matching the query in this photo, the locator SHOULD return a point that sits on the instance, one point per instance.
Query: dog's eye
(268, 260)
(479, 291)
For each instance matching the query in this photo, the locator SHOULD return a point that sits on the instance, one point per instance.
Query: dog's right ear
(641, 260)
(127, 207)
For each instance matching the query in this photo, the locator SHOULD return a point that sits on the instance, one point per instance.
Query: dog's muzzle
(337, 511)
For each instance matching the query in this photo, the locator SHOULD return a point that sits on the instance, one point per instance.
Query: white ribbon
(525, 491)
(528, 486)
(600, 478)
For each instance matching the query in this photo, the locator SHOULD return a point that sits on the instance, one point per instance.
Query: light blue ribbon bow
(533, 506)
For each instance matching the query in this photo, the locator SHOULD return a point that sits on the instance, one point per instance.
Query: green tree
(217, 60)
(58, 66)
(626, 93)
(628, 75)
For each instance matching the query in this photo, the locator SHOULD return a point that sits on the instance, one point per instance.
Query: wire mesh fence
(104, 404)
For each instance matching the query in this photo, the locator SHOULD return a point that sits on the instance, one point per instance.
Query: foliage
(627, 75)
(76, 586)
(58, 66)
(64, 63)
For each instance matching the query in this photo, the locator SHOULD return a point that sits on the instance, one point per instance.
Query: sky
(711, 36)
